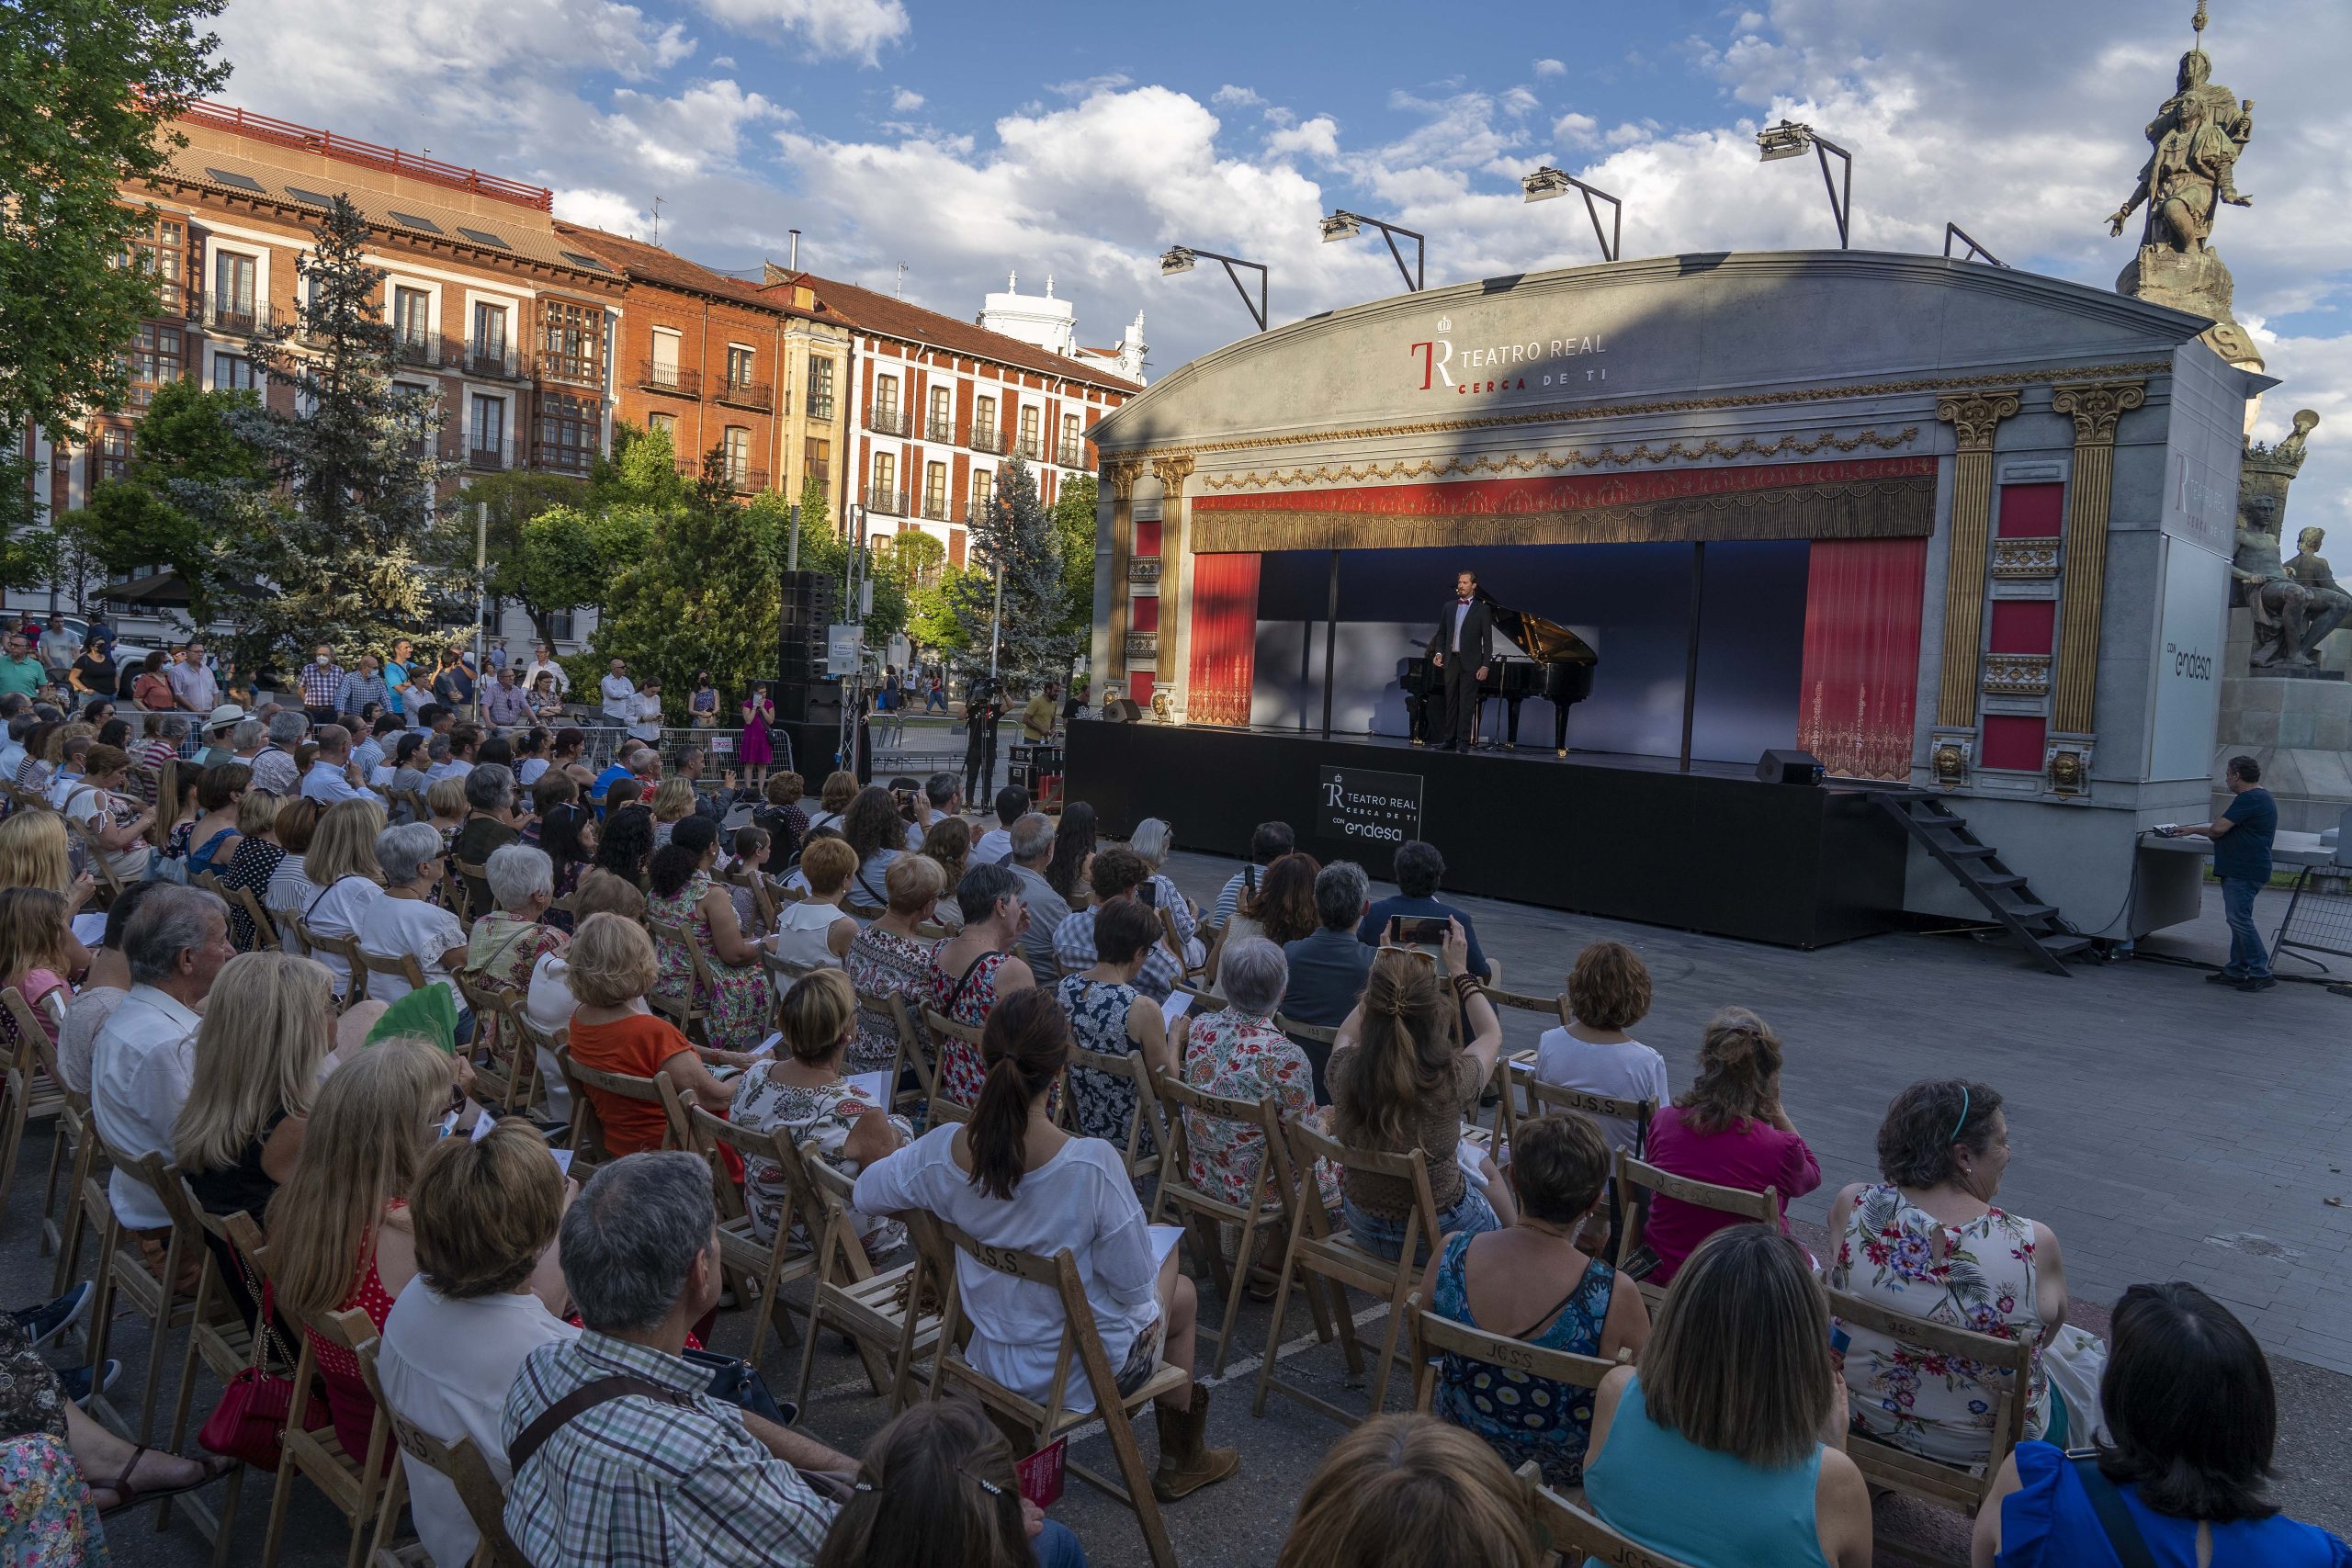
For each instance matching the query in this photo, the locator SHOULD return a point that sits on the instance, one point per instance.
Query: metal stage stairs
(1976, 865)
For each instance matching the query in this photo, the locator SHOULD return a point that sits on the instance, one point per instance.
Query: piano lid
(1547, 642)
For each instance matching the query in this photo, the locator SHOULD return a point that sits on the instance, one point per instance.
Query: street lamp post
(1790, 140)
(1548, 182)
(1180, 258)
(1345, 225)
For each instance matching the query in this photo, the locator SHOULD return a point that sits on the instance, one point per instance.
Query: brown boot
(1185, 1464)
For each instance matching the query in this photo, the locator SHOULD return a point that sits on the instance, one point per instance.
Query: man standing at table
(1465, 643)
(2242, 837)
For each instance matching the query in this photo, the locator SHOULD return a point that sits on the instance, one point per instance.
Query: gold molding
(1975, 417)
(2017, 674)
(1172, 469)
(2025, 557)
(1513, 463)
(2096, 409)
(1121, 474)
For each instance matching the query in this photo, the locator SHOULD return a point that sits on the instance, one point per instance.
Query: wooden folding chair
(913, 1048)
(1318, 1251)
(459, 1463)
(1934, 1481)
(220, 1338)
(1638, 1182)
(265, 937)
(689, 1014)
(494, 1036)
(315, 942)
(880, 1311)
(28, 1092)
(1272, 1200)
(943, 1106)
(122, 1272)
(1143, 1149)
(93, 858)
(401, 966)
(762, 899)
(461, 887)
(1435, 1335)
(72, 1155)
(354, 1485)
(756, 1265)
(1576, 1535)
(529, 1086)
(1545, 1098)
(1040, 1421)
(655, 1090)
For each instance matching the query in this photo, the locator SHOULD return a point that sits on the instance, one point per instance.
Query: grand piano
(1557, 666)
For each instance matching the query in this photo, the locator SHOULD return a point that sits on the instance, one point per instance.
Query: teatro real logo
(1503, 367)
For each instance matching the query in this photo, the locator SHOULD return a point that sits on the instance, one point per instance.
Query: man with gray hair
(144, 1058)
(274, 766)
(331, 777)
(619, 1453)
(489, 825)
(1328, 966)
(1033, 846)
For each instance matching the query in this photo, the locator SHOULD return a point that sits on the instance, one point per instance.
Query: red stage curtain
(1862, 654)
(1224, 639)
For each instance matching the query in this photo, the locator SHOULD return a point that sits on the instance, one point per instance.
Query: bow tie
(1465, 603)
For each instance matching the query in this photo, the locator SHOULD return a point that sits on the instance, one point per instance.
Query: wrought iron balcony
(934, 509)
(747, 481)
(758, 395)
(988, 438)
(1072, 455)
(890, 501)
(486, 453)
(426, 348)
(1028, 448)
(237, 315)
(941, 430)
(495, 360)
(656, 377)
(886, 419)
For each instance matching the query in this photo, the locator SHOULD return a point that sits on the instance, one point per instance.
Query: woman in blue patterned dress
(1109, 1016)
(1530, 1281)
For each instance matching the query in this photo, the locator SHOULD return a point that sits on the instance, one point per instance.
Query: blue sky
(1080, 139)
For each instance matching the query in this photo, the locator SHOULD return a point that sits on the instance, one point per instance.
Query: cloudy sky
(965, 141)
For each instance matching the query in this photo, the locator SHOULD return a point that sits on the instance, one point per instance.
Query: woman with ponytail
(937, 1489)
(1728, 1129)
(1011, 1177)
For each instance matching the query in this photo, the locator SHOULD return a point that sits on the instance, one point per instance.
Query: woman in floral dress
(1109, 1016)
(507, 944)
(974, 967)
(888, 959)
(736, 1003)
(1929, 1242)
(1239, 1053)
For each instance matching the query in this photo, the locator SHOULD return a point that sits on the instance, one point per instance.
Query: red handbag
(249, 1424)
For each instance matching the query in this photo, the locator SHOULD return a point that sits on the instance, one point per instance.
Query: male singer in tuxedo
(1466, 651)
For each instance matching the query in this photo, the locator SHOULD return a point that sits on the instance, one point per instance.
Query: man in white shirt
(330, 778)
(1011, 804)
(620, 695)
(58, 648)
(543, 664)
(145, 1055)
(68, 771)
(192, 681)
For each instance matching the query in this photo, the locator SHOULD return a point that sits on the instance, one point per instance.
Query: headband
(1963, 1116)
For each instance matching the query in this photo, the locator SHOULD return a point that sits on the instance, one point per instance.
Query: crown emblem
(2285, 457)
(1445, 323)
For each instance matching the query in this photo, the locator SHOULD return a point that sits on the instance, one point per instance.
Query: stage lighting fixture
(1544, 183)
(1184, 258)
(1342, 225)
(1345, 225)
(1790, 140)
(1786, 139)
(1548, 182)
(1175, 259)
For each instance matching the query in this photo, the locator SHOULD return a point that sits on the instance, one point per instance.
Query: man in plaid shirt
(651, 1471)
(1117, 873)
(322, 678)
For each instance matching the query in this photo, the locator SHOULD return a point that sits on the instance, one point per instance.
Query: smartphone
(1148, 894)
(1421, 931)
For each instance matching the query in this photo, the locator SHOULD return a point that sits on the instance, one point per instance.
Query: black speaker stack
(808, 701)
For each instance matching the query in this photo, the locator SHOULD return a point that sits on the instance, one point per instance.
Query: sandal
(129, 1496)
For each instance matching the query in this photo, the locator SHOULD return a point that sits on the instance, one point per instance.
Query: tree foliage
(186, 449)
(704, 592)
(1074, 530)
(543, 549)
(1015, 537)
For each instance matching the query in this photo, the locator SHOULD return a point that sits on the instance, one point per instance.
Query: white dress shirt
(994, 845)
(533, 670)
(138, 1079)
(620, 698)
(325, 784)
(1460, 611)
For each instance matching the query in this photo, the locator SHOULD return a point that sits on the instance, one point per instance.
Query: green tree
(1014, 537)
(642, 471)
(188, 446)
(345, 546)
(89, 88)
(541, 543)
(703, 594)
(1074, 531)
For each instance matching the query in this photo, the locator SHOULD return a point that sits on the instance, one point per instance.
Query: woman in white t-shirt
(405, 923)
(346, 881)
(96, 801)
(1011, 1177)
(1609, 992)
(813, 932)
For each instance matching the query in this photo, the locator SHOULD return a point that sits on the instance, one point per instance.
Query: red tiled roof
(654, 265)
(368, 154)
(885, 315)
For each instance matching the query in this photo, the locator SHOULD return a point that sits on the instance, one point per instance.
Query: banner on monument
(1363, 806)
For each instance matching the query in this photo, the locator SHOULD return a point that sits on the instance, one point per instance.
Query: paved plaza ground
(2163, 1128)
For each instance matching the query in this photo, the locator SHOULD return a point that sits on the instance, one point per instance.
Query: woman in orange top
(612, 968)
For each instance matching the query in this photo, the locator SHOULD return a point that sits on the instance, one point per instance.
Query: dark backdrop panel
(1751, 648)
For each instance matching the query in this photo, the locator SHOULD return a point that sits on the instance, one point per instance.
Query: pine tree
(338, 550)
(1015, 533)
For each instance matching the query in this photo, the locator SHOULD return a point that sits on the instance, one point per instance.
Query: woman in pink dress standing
(755, 753)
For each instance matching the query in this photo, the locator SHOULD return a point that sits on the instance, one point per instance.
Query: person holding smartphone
(1420, 868)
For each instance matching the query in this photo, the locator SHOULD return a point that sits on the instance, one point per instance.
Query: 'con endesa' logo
(1503, 367)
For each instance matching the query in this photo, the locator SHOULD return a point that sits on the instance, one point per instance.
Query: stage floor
(1525, 752)
(1632, 838)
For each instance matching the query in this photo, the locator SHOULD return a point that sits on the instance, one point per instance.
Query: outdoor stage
(1712, 850)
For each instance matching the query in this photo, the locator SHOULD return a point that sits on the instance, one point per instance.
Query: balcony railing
(555, 457)
(759, 395)
(1072, 455)
(941, 430)
(934, 509)
(988, 438)
(485, 453)
(821, 408)
(493, 359)
(886, 419)
(1028, 448)
(572, 369)
(892, 502)
(656, 377)
(747, 481)
(238, 315)
(426, 348)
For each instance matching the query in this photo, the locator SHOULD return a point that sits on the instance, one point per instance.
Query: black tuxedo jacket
(1477, 631)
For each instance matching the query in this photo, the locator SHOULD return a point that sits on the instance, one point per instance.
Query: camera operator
(983, 705)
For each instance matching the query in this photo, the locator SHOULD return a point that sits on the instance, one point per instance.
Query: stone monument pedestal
(2297, 727)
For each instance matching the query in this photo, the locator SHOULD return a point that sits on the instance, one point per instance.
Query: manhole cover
(2261, 1246)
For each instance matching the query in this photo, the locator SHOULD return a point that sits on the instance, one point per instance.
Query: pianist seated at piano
(1446, 688)
(1420, 868)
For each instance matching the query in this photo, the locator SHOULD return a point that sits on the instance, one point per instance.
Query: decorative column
(2094, 406)
(1120, 474)
(1973, 417)
(1175, 578)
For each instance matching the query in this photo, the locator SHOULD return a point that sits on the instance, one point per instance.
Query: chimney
(792, 261)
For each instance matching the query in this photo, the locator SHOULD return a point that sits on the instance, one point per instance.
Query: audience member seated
(1726, 1448)
(815, 932)
(950, 843)
(213, 840)
(1403, 1080)
(1419, 869)
(1033, 849)
(549, 1002)
(833, 799)
(873, 828)
(254, 862)
(1111, 1018)
(1929, 1241)
(145, 1059)
(1011, 806)
(259, 1055)
(1268, 841)
(37, 953)
(624, 841)
(445, 805)
(1609, 992)
(1531, 1281)
(487, 1288)
(406, 923)
(115, 820)
(974, 969)
(672, 803)
(504, 949)
(103, 989)
(743, 873)
(781, 817)
(1410, 1492)
(340, 1233)
(288, 891)
(611, 969)
(490, 823)
(1153, 840)
(49, 1507)
(36, 851)
(1727, 1129)
(2191, 1418)
(1282, 910)
(1329, 965)
(637, 1478)
(888, 959)
(345, 878)
(736, 1001)
(937, 1487)
(802, 1089)
(1238, 1051)
(1011, 1177)
(1115, 875)
(1068, 870)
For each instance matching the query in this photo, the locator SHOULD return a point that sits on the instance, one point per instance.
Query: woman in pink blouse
(1728, 1130)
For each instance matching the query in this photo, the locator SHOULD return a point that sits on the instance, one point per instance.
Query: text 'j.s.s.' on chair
(1639, 1184)
(754, 1267)
(1577, 1536)
(891, 1315)
(1316, 1250)
(589, 1149)
(1550, 1099)
(461, 1464)
(1435, 1335)
(401, 966)
(1268, 1206)
(2004, 1369)
(1079, 1348)
(352, 1483)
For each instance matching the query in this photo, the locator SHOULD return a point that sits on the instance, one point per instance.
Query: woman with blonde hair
(268, 1025)
(446, 799)
(815, 932)
(548, 1002)
(672, 803)
(37, 956)
(345, 879)
(832, 800)
(339, 1232)
(1406, 1491)
(34, 852)
(255, 861)
(802, 1090)
(1402, 1079)
(611, 969)
(1728, 1128)
(888, 958)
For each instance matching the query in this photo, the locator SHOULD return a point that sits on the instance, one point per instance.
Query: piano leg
(1511, 704)
(1560, 727)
